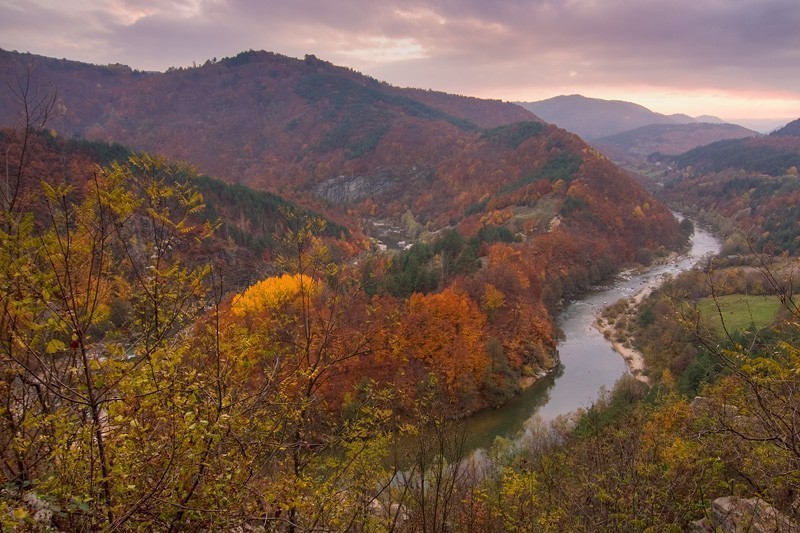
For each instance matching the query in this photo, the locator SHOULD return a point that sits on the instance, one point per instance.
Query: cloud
(481, 47)
(381, 50)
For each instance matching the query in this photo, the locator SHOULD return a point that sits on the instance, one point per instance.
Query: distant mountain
(668, 139)
(792, 129)
(593, 118)
(680, 118)
(765, 125)
(275, 122)
(710, 119)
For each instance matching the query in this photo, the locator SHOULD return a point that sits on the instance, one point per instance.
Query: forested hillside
(190, 394)
(483, 268)
(263, 119)
(248, 223)
(149, 381)
(747, 188)
(771, 155)
(310, 130)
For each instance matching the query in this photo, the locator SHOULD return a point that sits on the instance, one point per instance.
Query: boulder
(739, 515)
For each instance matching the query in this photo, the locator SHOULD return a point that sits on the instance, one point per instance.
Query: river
(588, 362)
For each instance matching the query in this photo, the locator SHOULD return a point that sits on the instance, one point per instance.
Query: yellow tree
(311, 323)
(109, 412)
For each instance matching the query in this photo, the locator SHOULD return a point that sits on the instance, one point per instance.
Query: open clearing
(739, 311)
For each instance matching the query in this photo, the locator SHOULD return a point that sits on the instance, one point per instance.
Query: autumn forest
(264, 293)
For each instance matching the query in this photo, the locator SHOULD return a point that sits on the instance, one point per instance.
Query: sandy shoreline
(633, 358)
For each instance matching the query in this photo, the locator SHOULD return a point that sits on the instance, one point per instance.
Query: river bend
(588, 362)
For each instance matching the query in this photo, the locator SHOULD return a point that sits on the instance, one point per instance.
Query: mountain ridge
(307, 129)
(668, 139)
(260, 118)
(593, 118)
(747, 188)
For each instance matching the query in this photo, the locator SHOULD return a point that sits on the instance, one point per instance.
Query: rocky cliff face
(737, 515)
(343, 190)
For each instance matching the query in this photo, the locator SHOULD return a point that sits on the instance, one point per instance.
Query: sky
(734, 59)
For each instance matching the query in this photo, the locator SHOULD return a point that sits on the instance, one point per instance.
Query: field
(738, 311)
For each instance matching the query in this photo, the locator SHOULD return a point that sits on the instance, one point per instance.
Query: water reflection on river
(589, 364)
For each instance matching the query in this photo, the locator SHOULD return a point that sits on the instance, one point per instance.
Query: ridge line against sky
(733, 59)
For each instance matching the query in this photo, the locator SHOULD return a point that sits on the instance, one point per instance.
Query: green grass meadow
(738, 311)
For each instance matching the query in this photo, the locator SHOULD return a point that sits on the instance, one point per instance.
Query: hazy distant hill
(592, 118)
(680, 118)
(710, 119)
(671, 139)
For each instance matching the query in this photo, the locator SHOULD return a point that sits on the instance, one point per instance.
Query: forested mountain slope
(772, 154)
(747, 184)
(310, 130)
(260, 118)
(792, 129)
(541, 239)
(248, 223)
